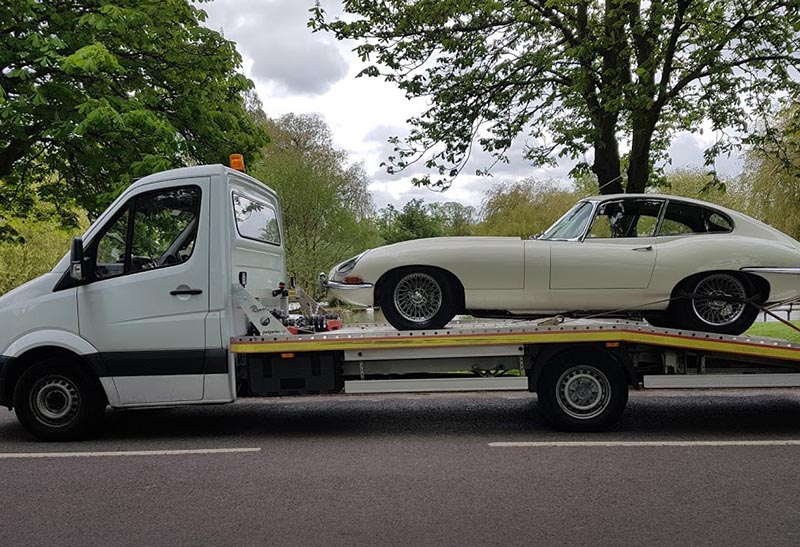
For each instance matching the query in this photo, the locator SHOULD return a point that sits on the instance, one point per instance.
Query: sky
(298, 71)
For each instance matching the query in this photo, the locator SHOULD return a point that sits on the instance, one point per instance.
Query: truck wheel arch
(19, 364)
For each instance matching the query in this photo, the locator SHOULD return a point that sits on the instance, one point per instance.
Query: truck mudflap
(5, 365)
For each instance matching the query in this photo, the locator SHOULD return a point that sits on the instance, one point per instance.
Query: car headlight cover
(348, 265)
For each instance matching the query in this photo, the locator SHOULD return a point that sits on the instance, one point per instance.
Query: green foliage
(94, 94)
(415, 221)
(771, 173)
(523, 208)
(575, 76)
(45, 242)
(327, 208)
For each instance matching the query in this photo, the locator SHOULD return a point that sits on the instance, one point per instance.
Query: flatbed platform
(467, 334)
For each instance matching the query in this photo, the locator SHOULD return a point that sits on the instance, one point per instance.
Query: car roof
(654, 196)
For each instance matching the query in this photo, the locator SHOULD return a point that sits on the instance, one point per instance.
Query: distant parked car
(678, 262)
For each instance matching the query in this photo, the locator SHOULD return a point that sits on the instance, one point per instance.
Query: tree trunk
(606, 157)
(639, 166)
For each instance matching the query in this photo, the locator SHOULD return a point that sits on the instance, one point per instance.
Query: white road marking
(583, 444)
(21, 455)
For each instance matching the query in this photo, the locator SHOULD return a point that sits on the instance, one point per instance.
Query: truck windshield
(572, 224)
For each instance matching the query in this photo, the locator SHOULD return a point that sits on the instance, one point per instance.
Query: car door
(618, 250)
(145, 305)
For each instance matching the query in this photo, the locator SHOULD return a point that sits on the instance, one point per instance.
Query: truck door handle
(648, 248)
(178, 292)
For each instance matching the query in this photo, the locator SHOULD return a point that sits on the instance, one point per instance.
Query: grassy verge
(775, 330)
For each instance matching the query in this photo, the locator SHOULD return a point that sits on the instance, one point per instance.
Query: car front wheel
(717, 303)
(418, 298)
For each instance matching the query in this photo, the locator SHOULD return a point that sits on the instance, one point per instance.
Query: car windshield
(572, 224)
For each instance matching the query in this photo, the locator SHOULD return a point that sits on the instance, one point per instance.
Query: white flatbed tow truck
(176, 295)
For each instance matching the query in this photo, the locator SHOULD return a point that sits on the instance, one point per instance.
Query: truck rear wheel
(59, 401)
(584, 390)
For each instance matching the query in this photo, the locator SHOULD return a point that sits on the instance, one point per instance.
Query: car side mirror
(536, 236)
(76, 260)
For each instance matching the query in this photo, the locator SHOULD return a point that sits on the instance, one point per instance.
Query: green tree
(456, 219)
(327, 208)
(94, 94)
(45, 243)
(576, 75)
(415, 221)
(523, 208)
(770, 178)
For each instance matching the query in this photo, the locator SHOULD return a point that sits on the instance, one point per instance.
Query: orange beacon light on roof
(237, 162)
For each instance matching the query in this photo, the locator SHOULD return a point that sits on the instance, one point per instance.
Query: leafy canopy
(327, 208)
(96, 93)
(573, 76)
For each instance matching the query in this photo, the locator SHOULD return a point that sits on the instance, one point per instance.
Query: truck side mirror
(76, 260)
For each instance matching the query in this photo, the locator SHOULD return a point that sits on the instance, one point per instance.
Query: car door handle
(648, 248)
(178, 292)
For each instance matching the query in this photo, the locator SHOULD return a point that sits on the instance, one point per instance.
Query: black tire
(437, 295)
(708, 315)
(58, 400)
(582, 390)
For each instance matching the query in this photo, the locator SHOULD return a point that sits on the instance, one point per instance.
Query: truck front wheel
(582, 391)
(58, 401)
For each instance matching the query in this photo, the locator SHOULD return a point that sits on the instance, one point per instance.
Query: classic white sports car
(677, 262)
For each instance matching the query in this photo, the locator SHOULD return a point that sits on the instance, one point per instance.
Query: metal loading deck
(465, 335)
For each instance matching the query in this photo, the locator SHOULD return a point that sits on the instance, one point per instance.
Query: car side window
(688, 218)
(626, 218)
(156, 230)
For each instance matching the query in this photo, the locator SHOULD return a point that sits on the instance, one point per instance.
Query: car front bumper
(359, 294)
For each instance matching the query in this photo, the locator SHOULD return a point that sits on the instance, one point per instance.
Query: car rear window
(687, 218)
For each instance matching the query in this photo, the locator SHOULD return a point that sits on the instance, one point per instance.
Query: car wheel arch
(380, 285)
(761, 285)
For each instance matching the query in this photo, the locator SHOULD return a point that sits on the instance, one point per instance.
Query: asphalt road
(413, 470)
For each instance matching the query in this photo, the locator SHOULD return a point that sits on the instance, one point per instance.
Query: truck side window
(155, 230)
(111, 248)
(256, 220)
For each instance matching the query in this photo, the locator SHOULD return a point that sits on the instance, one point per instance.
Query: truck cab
(140, 313)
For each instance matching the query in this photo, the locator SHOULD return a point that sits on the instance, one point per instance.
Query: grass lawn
(775, 330)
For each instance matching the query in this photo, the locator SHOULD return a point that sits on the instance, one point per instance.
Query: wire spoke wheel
(718, 300)
(417, 297)
(583, 392)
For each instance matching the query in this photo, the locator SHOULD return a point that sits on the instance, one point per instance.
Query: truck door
(145, 305)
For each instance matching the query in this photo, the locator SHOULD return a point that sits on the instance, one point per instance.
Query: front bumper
(326, 284)
(359, 294)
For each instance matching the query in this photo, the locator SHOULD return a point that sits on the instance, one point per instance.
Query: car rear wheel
(418, 298)
(716, 302)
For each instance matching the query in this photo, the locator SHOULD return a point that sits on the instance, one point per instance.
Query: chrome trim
(770, 270)
(346, 286)
(325, 283)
